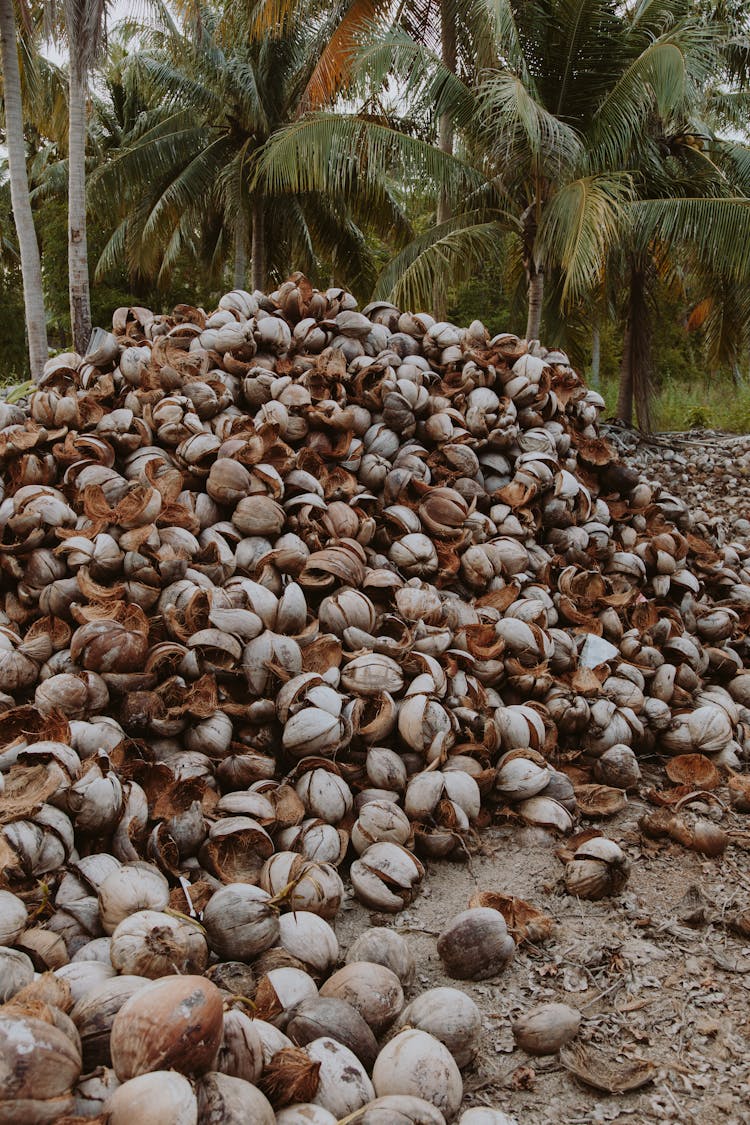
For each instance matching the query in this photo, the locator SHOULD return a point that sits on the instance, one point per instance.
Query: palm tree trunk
(445, 138)
(31, 267)
(596, 350)
(636, 366)
(536, 300)
(258, 248)
(78, 260)
(240, 248)
(624, 411)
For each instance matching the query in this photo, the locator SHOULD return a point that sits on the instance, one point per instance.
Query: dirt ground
(656, 972)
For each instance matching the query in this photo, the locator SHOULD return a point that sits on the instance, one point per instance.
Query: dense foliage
(570, 168)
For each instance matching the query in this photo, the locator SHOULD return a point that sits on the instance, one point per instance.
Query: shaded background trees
(570, 169)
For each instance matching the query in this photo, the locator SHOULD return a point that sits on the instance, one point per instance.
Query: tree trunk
(78, 259)
(445, 138)
(31, 267)
(536, 300)
(240, 248)
(635, 369)
(624, 411)
(596, 347)
(596, 350)
(258, 248)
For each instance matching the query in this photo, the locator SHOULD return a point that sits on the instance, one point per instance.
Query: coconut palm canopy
(583, 150)
(592, 124)
(186, 171)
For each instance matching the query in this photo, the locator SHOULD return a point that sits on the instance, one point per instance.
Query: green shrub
(718, 404)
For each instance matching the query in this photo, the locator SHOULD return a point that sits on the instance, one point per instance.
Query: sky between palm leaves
(118, 11)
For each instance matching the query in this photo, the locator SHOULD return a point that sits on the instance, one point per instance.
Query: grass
(716, 405)
(11, 378)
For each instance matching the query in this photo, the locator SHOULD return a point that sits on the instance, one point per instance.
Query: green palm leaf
(425, 83)
(336, 152)
(580, 223)
(657, 80)
(517, 126)
(716, 231)
(453, 250)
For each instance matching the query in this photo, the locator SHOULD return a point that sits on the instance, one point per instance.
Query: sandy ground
(657, 973)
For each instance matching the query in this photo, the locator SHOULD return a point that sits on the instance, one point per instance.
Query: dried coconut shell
(739, 792)
(567, 850)
(173, 1023)
(238, 856)
(46, 1072)
(48, 989)
(599, 800)
(46, 949)
(277, 958)
(234, 977)
(668, 798)
(525, 922)
(26, 790)
(199, 894)
(695, 770)
(321, 654)
(696, 833)
(604, 1073)
(544, 1029)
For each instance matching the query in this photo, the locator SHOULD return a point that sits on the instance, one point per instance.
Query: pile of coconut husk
(295, 599)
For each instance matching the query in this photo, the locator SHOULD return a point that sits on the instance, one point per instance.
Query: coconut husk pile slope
(287, 585)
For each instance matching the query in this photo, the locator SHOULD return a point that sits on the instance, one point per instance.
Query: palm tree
(84, 28)
(187, 167)
(522, 162)
(455, 28)
(31, 269)
(567, 141)
(692, 205)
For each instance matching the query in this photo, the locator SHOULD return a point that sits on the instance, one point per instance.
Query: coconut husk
(525, 922)
(291, 1076)
(605, 1073)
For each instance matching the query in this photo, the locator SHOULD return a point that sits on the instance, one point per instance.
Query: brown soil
(657, 973)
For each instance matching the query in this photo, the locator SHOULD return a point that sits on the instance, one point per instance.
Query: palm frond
(343, 243)
(723, 319)
(447, 253)
(733, 159)
(335, 152)
(579, 224)
(85, 29)
(174, 85)
(578, 20)
(656, 81)
(113, 254)
(189, 187)
(273, 17)
(165, 146)
(506, 16)
(182, 237)
(715, 231)
(426, 84)
(519, 127)
(730, 108)
(334, 66)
